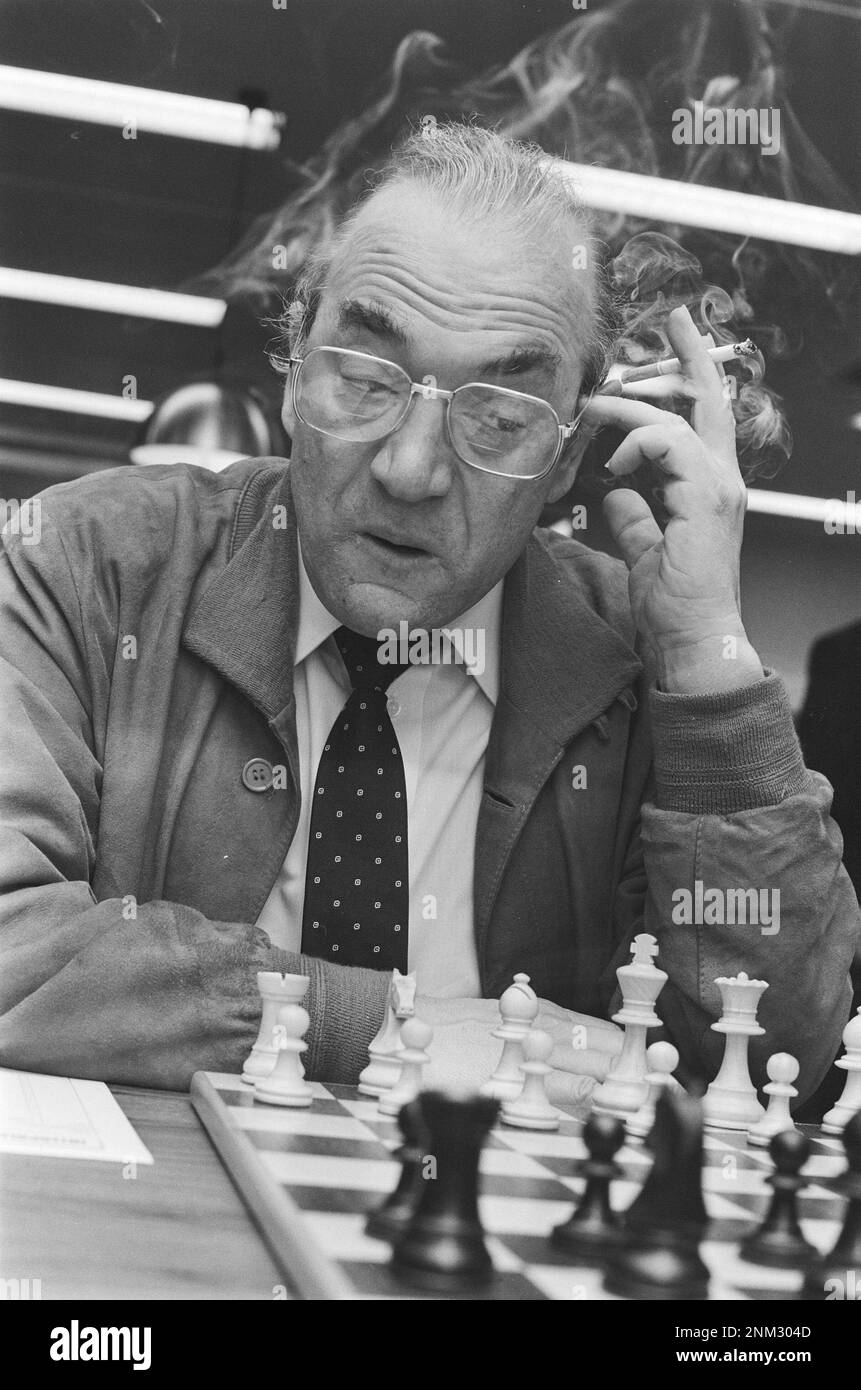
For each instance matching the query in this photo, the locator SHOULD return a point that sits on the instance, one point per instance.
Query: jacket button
(257, 775)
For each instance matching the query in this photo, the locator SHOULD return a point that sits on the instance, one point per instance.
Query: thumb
(632, 524)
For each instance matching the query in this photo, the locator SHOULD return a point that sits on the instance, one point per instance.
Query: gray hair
(478, 173)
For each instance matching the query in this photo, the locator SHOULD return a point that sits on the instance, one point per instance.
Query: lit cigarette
(670, 366)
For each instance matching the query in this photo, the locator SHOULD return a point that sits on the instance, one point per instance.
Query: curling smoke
(652, 275)
(599, 90)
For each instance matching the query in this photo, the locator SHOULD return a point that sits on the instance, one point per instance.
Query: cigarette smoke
(653, 275)
(600, 89)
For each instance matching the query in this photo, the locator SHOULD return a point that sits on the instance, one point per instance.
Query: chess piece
(518, 1010)
(387, 1222)
(830, 1276)
(384, 1052)
(625, 1088)
(658, 1255)
(593, 1227)
(416, 1037)
(285, 1084)
(730, 1101)
(442, 1249)
(782, 1070)
(531, 1109)
(849, 1103)
(276, 990)
(779, 1243)
(661, 1059)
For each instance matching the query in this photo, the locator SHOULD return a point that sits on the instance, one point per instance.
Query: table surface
(176, 1229)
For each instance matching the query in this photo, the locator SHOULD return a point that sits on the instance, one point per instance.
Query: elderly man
(208, 770)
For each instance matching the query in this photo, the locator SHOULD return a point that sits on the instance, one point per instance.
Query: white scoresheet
(60, 1117)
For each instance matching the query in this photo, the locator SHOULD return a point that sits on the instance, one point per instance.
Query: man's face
(400, 528)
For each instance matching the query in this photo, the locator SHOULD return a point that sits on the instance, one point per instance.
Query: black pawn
(658, 1256)
(835, 1274)
(778, 1243)
(442, 1247)
(389, 1219)
(593, 1227)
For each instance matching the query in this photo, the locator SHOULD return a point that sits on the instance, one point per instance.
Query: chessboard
(311, 1176)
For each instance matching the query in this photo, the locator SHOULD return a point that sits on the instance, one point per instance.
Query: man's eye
(364, 383)
(505, 424)
(498, 423)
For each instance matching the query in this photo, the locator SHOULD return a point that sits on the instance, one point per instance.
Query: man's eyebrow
(372, 317)
(528, 357)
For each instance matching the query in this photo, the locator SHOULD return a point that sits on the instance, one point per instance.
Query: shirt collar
(315, 621)
(316, 624)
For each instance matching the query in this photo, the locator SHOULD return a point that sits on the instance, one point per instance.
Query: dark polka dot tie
(357, 881)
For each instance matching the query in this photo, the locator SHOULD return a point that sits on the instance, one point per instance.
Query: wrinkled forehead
(456, 272)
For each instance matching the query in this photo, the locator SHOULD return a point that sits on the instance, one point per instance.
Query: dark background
(80, 200)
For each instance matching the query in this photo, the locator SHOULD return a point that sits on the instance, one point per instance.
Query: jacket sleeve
(142, 994)
(735, 810)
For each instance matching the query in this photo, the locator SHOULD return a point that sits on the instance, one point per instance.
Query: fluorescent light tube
(162, 113)
(718, 209)
(42, 397)
(111, 299)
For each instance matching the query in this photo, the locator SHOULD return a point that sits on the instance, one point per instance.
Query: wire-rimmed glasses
(359, 398)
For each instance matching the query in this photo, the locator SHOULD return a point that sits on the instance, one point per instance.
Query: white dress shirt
(442, 715)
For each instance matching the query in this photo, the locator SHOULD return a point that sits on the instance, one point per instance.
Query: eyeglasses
(359, 398)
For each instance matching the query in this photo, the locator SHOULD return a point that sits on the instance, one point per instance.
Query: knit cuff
(347, 1005)
(727, 752)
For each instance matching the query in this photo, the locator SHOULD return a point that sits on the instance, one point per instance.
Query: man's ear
(566, 470)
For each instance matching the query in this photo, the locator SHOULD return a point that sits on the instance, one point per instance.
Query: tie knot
(360, 658)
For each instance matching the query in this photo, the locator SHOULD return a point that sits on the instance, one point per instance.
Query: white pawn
(531, 1109)
(286, 1084)
(782, 1070)
(837, 1117)
(661, 1059)
(384, 1052)
(518, 1010)
(416, 1037)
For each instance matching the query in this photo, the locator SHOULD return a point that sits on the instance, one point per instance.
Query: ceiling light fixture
(717, 209)
(41, 396)
(161, 113)
(138, 300)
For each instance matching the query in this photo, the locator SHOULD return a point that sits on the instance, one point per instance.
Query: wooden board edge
(304, 1265)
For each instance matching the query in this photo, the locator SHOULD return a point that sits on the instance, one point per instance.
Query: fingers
(700, 379)
(627, 413)
(712, 416)
(574, 1092)
(579, 1031)
(608, 1039)
(583, 1061)
(632, 524)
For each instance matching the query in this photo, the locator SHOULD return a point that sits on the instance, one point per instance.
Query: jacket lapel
(245, 622)
(562, 665)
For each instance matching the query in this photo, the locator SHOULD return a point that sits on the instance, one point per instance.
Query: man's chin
(372, 606)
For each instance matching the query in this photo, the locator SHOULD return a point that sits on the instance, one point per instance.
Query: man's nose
(417, 462)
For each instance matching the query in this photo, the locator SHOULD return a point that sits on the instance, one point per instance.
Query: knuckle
(732, 497)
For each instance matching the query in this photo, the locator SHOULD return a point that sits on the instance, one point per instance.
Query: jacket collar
(561, 664)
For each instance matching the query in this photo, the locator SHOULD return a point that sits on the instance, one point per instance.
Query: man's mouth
(396, 548)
